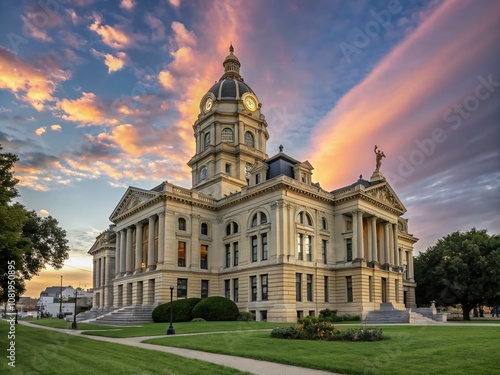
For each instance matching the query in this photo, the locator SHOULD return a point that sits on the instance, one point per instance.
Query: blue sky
(99, 95)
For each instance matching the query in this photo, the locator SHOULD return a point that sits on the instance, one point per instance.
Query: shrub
(195, 320)
(328, 315)
(216, 309)
(246, 316)
(181, 311)
(311, 328)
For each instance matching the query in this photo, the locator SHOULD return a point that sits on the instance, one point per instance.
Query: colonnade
(389, 251)
(126, 264)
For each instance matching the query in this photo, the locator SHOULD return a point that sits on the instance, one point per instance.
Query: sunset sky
(96, 96)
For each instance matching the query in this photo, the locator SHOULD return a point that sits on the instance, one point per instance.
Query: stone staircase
(126, 316)
(387, 315)
(417, 318)
(93, 313)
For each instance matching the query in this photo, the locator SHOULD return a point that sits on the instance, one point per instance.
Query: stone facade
(254, 228)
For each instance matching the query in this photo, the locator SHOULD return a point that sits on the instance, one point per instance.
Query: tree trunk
(466, 312)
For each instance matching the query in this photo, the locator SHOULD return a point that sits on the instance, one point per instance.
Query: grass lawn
(60, 323)
(43, 352)
(405, 350)
(157, 329)
(485, 320)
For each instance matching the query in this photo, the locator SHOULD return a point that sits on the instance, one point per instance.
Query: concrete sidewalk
(252, 366)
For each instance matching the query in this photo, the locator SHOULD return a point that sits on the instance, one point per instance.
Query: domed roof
(230, 88)
(231, 84)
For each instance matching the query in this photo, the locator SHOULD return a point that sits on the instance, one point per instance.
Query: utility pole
(60, 302)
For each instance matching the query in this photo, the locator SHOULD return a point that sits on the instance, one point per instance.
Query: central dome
(231, 85)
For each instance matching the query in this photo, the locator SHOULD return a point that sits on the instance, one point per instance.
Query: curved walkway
(252, 366)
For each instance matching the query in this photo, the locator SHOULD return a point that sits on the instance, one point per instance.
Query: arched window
(203, 173)
(182, 224)
(259, 219)
(249, 139)
(263, 218)
(324, 223)
(231, 228)
(227, 135)
(254, 220)
(206, 141)
(228, 229)
(235, 228)
(305, 218)
(204, 229)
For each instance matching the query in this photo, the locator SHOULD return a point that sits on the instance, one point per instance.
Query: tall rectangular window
(326, 288)
(228, 255)
(324, 249)
(228, 168)
(396, 287)
(227, 288)
(349, 288)
(181, 254)
(204, 257)
(309, 248)
(263, 287)
(254, 248)
(348, 247)
(309, 287)
(370, 288)
(235, 253)
(298, 287)
(204, 288)
(182, 286)
(235, 290)
(300, 254)
(264, 246)
(253, 284)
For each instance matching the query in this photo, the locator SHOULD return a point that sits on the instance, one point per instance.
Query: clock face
(249, 101)
(208, 104)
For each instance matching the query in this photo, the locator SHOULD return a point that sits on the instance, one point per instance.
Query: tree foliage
(462, 268)
(26, 240)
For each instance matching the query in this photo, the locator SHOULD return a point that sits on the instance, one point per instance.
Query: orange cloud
(56, 128)
(182, 36)
(127, 4)
(111, 36)
(175, 3)
(40, 130)
(114, 63)
(31, 85)
(166, 79)
(402, 89)
(86, 110)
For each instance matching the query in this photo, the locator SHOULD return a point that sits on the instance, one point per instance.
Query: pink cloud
(111, 36)
(87, 110)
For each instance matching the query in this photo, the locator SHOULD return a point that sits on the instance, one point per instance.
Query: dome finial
(231, 65)
(231, 48)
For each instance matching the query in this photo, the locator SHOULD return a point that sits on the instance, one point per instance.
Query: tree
(462, 268)
(28, 242)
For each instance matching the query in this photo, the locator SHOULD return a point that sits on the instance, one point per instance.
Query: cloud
(175, 3)
(111, 36)
(44, 212)
(166, 79)
(30, 84)
(56, 127)
(114, 63)
(182, 36)
(38, 21)
(156, 26)
(127, 4)
(88, 110)
(40, 130)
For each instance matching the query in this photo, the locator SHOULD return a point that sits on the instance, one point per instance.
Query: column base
(139, 270)
(151, 268)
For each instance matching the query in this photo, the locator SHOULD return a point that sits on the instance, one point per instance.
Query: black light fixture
(170, 330)
(74, 325)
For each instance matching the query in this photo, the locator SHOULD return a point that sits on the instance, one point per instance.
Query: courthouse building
(255, 228)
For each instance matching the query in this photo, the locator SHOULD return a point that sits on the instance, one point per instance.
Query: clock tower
(230, 132)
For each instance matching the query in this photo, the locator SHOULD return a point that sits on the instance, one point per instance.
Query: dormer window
(249, 139)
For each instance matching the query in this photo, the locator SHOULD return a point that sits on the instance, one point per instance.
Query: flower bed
(311, 328)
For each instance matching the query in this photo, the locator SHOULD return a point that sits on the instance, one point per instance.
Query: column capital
(139, 225)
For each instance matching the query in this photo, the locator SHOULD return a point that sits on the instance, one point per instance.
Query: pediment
(133, 197)
(386, 195)
(258, 166)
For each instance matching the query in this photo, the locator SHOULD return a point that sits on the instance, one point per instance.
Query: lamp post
(60, 302)
(74, 325)
(170, 330)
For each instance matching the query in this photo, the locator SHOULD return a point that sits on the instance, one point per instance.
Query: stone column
(386, 243)
(151, 244)
(374, 239)
(103, 271)
(161, 238)
(138, 247)
(117, 254)
(360, 252)
(396, 248)
(123, 251)
(410, 265)
(94, 275)
(99, 267)
(128, 265)
(354, 234)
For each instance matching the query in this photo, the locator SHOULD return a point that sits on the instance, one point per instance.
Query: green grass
(485, 320)
(43, 352)
(405, 350)
(158, 329)
(60, 323)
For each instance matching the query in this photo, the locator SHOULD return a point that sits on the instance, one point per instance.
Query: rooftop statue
(378, 155)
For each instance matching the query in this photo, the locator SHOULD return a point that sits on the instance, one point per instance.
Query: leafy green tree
(462, 268)
(28, 242)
